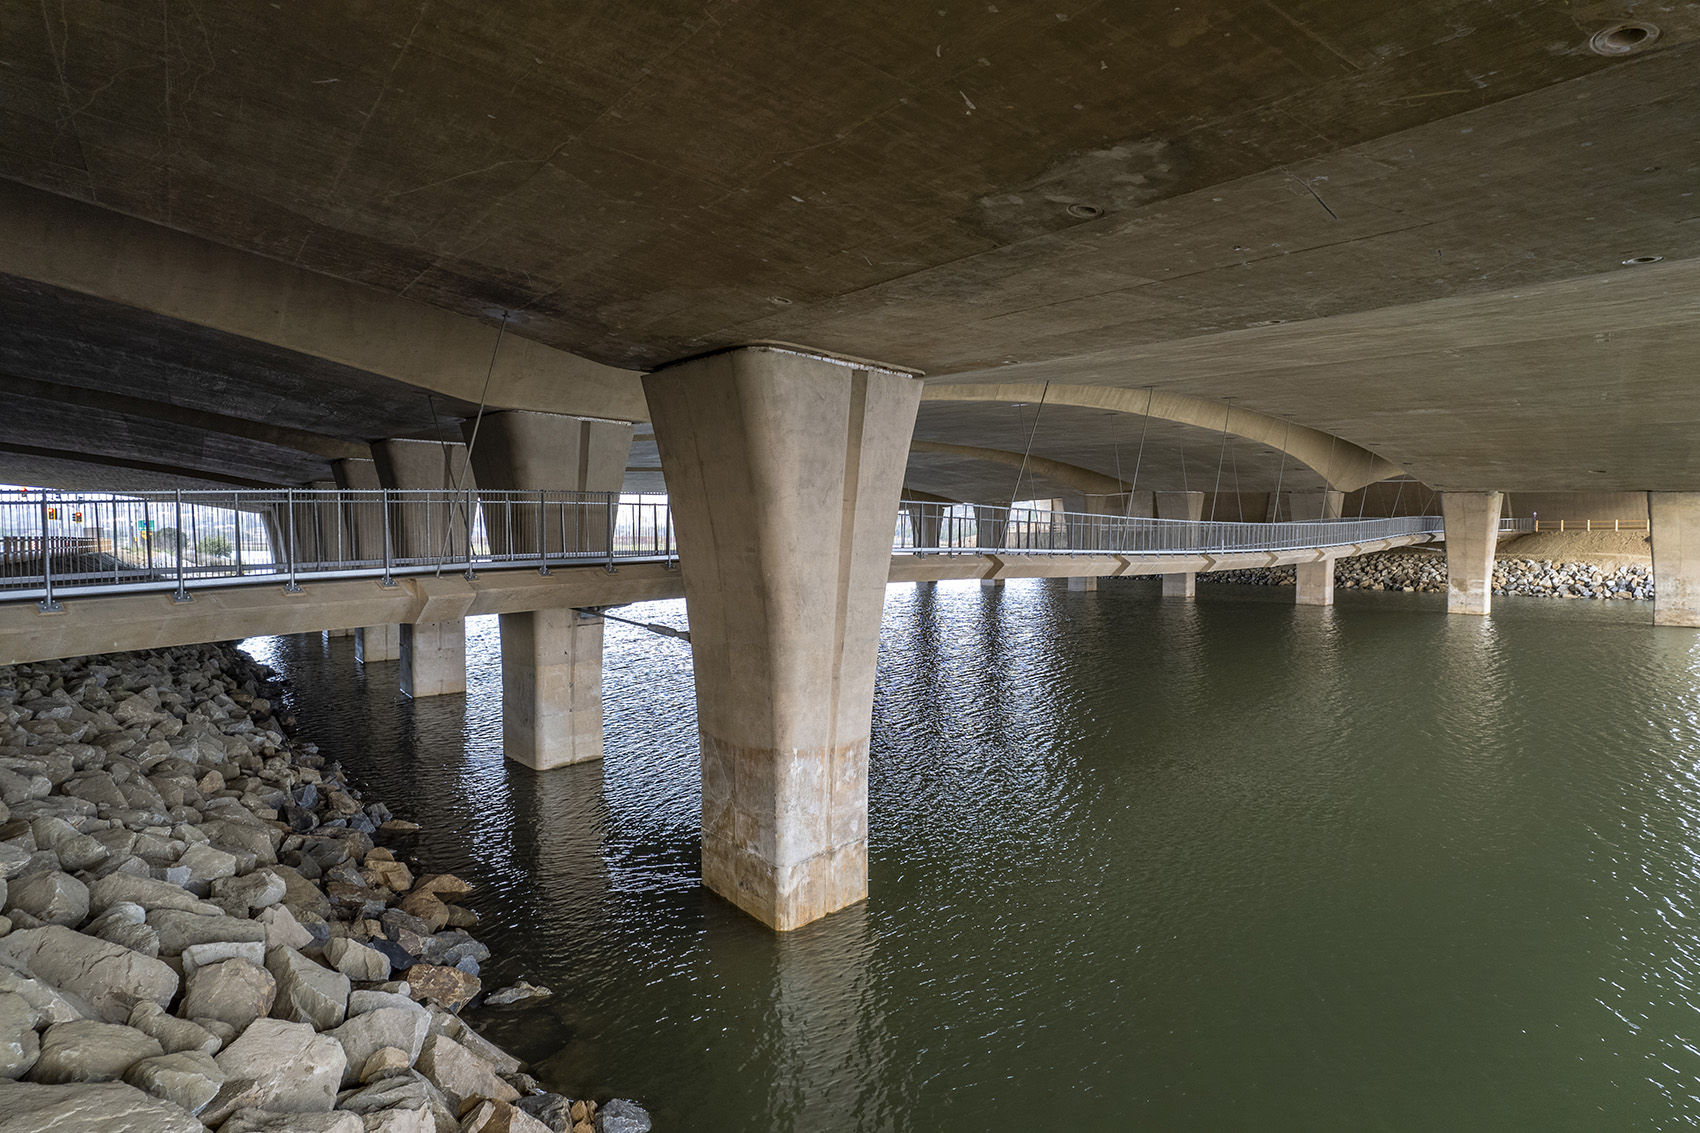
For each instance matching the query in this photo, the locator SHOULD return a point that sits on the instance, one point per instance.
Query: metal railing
(936, 528)
(55, 544)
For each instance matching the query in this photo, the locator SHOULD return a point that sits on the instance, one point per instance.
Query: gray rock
(356, 961)
(178, 930)
(270, 1121)
(366, 1000)
(414, 1119)
(205, 864)
(278, 1066)
(50, 897)
(460, 1074)
(365, 1034)
(13, 858)
(174, 1034)
(233, 991)
(306, 991)
(622, 1116)
(19, 1047)
(189, 1079)
(108, 977)
(147, 893)
(499, 1117)
(552, 1110)
(87, 1051)
(403, 1091)
(518, 993)
(258, 890)
(282, 929)
(49, 1003)
(218, 951)
(89, 1107)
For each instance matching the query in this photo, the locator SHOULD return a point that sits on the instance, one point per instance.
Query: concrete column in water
(1179, 505)
(551, 659)
(1674, 522)
(785, 471)
(1472, 532)
(363, 520)
(428, 530)
(1316, 583)
(551, 688)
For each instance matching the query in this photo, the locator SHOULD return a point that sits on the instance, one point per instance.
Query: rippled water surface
(1135, 864)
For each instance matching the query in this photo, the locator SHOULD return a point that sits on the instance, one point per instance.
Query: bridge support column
(1081, 582)
(1323, 504)
(1675, 528)
(551, 688)
(1316, 584)
(377, 643)
(433, 658)
(1180, 505)
(1471, 520)
(551, 659)
(785, 472)
(363, 520)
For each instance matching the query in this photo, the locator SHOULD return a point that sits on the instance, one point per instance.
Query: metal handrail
(56, 544)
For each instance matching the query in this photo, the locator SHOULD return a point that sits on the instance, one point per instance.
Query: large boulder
(174, 1034)
(89, 1107)
(189, 1079)
(87, 1051)
(233, 991)
(362, 1036)
(19, 1047)
(150, 894)
(407, 1119)
(622, 1116)
(459, 1074)
(500, 1117)
(109, 978)
(270, 1121)
(307, 992)
(450, 987)
(278, 1066)
(51, 897)
(356, 961)
(178, 930)
(402, 1092)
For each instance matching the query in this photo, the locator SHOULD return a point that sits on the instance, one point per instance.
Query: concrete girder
(1344, 465)
(1083, 479)
(94, 251)
(219, 478)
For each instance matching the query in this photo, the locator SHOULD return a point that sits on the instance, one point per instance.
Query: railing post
(469, 574)
(542, 531)
(237, 511)
(48, 604)
(613, 517)
(667, 536)
(182, 592)
(384, 513)
(147, 530)
(289, 505)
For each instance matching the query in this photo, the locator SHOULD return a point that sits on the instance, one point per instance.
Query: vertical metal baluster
(289, 505)
(147, 530)
(469, 574)
(384, 513)
(181, 594)
(237, 501)
(48, 604)
(613, 515)
(542, 532)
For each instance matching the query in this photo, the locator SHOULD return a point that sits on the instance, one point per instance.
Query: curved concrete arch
(1346, 466)
(1083, 480)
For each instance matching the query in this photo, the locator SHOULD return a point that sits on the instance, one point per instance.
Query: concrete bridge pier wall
(551, 659)
(1180, 505)
(1315, 583)
(785, 472)
(1323, 504)
(364, 523)
(1472, 532)
(433, 655)
(1674, 521)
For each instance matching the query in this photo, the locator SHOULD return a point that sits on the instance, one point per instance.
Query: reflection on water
(1135, 863)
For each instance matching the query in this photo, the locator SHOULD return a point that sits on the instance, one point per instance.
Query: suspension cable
(471, 444)
(1150, 393)
(1040, 408)
(1282, 471)
(1217, 490)
(657, 628)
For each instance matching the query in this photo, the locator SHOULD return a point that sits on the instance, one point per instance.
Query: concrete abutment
(1472, 533)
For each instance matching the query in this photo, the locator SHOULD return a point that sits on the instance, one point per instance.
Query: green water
(1136, 864)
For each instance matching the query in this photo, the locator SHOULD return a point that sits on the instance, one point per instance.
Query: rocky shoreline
(205, 927)
(1426, 573)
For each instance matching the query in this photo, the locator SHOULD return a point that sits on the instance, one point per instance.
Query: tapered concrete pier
(785, 472)
(1472, 533)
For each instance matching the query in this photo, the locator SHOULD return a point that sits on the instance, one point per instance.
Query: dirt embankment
(1606, 548)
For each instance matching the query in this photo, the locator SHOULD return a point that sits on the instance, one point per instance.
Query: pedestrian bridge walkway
(144, 570)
